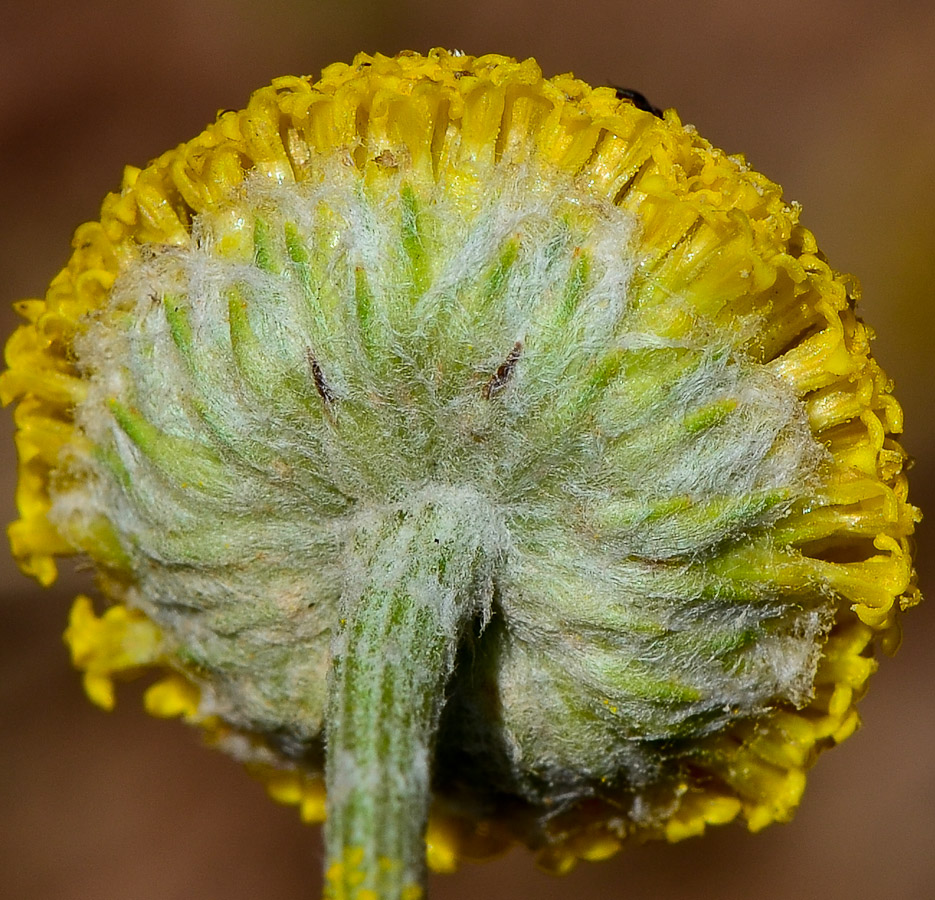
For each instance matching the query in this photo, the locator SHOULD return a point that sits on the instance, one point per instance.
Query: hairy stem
(423, 572)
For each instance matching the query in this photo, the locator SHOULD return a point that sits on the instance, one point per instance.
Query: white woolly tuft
(321, 355)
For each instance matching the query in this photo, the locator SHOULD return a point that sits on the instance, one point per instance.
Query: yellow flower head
(482, 448)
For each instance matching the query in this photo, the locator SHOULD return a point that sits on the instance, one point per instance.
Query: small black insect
(637, 99)
(498, 381)
(324, 389)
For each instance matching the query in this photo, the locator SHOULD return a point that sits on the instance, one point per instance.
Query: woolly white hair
(322, 359)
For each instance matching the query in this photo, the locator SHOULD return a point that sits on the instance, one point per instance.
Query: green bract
(252, 412)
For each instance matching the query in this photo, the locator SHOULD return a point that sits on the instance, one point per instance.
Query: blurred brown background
(834, 99)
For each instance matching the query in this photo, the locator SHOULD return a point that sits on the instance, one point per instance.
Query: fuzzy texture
(256, 395)
(598, 353)
(418, 576)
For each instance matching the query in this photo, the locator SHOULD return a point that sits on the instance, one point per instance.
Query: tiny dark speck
(322, 386)
(499, 380)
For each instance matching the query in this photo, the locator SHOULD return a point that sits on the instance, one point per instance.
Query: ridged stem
(424, 572)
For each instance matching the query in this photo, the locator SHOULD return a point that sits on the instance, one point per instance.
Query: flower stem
(423, 573)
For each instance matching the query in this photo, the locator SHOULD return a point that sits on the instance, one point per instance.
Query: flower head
(455, 435)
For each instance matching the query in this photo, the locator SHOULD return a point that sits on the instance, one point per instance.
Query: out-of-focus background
(834, 99)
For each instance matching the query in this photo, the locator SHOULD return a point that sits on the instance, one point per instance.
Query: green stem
(424, 571)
